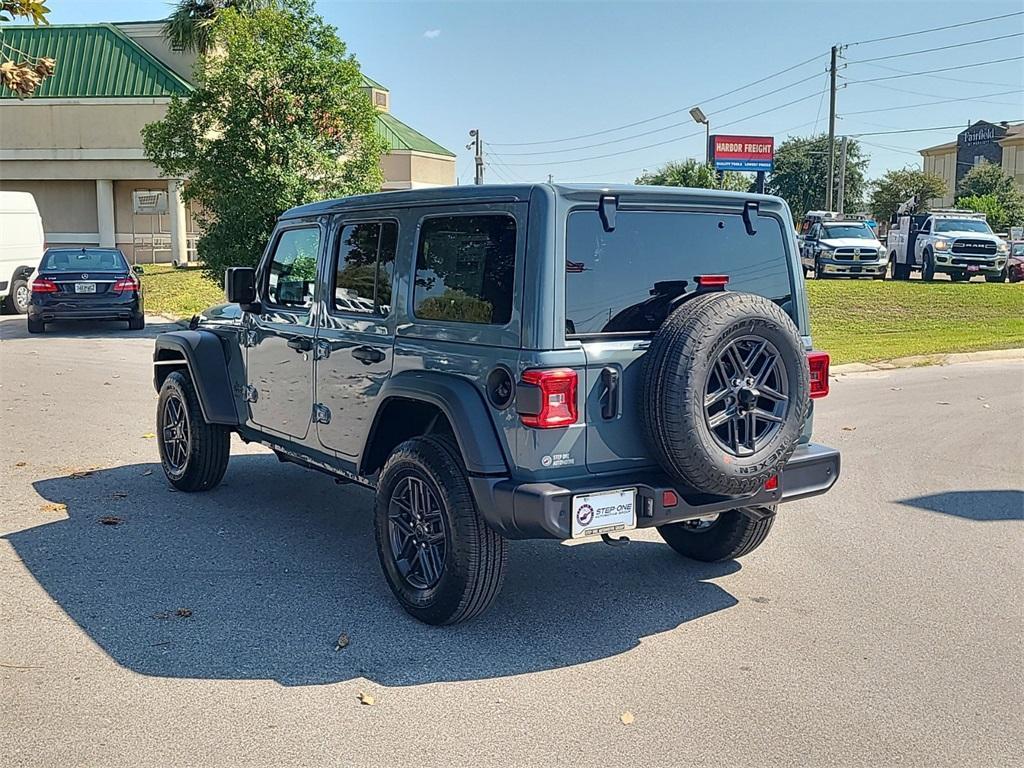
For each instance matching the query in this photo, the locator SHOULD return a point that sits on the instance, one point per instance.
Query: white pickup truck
(957, 242)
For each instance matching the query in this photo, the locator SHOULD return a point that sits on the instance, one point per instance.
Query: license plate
(85, 287)
(604, 512)
(973, 268)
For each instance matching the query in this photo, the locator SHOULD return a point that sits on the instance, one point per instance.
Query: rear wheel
(819, 272)
(17, 300)
(441, 560)
(36, 326)
(726, 536)
(137, 323)
(194, 453)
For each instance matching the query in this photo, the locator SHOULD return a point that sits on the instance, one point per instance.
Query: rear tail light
(546, 398)
(126, 284)
(818, 364)
(43, 285)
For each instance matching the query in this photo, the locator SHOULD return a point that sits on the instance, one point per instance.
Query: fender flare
(462, 403)
(204, 357)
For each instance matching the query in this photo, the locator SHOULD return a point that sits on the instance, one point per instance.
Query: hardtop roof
(521, 193)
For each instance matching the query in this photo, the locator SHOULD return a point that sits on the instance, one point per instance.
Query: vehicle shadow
(259, 578)
(16, 328)
(975, 505)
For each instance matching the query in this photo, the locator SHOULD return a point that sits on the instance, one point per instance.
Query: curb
(922, 360)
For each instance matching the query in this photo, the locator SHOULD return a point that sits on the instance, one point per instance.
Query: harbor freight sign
(743, 153)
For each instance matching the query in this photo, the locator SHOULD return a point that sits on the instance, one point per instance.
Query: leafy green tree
(189, 25)
(987, 189)
(278, 118)
(986, 179)
(693, 173)
(801, 174)
(896, 187)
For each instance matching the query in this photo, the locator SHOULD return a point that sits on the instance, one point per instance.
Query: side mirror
(240, 288)
(138, 270)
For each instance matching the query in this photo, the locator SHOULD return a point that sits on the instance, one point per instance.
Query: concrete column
(176, 206)
(105, 211)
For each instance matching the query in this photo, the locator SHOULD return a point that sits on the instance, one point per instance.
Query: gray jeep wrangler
(512, 362)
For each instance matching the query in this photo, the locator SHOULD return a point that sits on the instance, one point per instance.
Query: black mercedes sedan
(85, 284)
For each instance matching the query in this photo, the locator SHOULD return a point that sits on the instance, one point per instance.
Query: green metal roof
(93, 61)
(400, 136)
(369, 82)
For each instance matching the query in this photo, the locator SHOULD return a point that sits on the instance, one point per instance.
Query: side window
(465, 269)
(815, 232)
(365, 267)
(292, 273)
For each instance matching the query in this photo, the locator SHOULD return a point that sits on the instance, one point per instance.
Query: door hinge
(251, 394)
(321, 414)
(248, 337)
(322, 350)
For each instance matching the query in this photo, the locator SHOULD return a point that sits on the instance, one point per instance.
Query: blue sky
(537, 71)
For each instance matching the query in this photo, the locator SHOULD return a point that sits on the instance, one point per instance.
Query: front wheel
(928, 270)
(1001, 277)
(726, 536)
(194, 453)
(441, 560)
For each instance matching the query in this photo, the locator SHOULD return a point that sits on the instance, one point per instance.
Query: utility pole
(842, 176)
(477, 146)
(831, 129)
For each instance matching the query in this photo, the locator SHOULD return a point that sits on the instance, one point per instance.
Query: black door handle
(300, 343)
(367, 355)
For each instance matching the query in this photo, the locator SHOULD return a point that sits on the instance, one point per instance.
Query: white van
(21, 248)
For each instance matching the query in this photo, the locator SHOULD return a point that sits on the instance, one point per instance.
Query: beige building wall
(942, 164)
(1013, 158)
(70, 127)
(405, 169)
(66, 207)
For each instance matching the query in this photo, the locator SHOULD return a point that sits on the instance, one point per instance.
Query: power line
(917, 92)
(916, 130)
(657, 117)
(940, 101)
(946, 77)
(943, 69)
(656, 130)
(938, 29)
(932, 50)
(662, 143)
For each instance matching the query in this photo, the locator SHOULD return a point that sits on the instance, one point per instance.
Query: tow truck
(956, 241)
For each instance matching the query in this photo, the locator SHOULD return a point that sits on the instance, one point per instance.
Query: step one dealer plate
(604, 512)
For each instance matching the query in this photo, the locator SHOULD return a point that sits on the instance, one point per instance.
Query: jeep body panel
(213, 361)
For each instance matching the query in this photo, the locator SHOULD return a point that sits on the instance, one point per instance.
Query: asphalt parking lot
(879, 625)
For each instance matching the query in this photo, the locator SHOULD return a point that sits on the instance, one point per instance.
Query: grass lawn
(865, 320)
(852, 320)
(178, 293)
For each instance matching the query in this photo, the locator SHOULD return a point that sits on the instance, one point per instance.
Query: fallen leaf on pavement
(78, 474)
(20, 463)
(54, 507)
(985, 405)
(106, 383)
(896, 389)
(848, 429)
(627, 718)
(149, 436)
(147, 472)
(942, 402)
(367, 699)
(111, 520)
(342, 641)
(120, 494)
(183, 612)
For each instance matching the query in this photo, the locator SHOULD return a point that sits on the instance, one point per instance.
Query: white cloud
(431, 34)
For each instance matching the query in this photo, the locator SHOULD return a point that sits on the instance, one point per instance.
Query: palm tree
(188, 27)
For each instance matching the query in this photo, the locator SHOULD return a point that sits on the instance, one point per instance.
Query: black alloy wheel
(417, 532)
(745, 402)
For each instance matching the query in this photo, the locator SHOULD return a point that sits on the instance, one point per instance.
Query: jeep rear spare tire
(725, 394)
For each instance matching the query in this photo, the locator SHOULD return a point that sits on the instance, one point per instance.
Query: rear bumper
(542, 510)
(113, 310)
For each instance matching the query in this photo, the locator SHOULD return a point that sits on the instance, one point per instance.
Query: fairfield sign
(743, 153)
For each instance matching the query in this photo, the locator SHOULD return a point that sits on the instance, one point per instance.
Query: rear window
(88, 260)
(630, 279)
